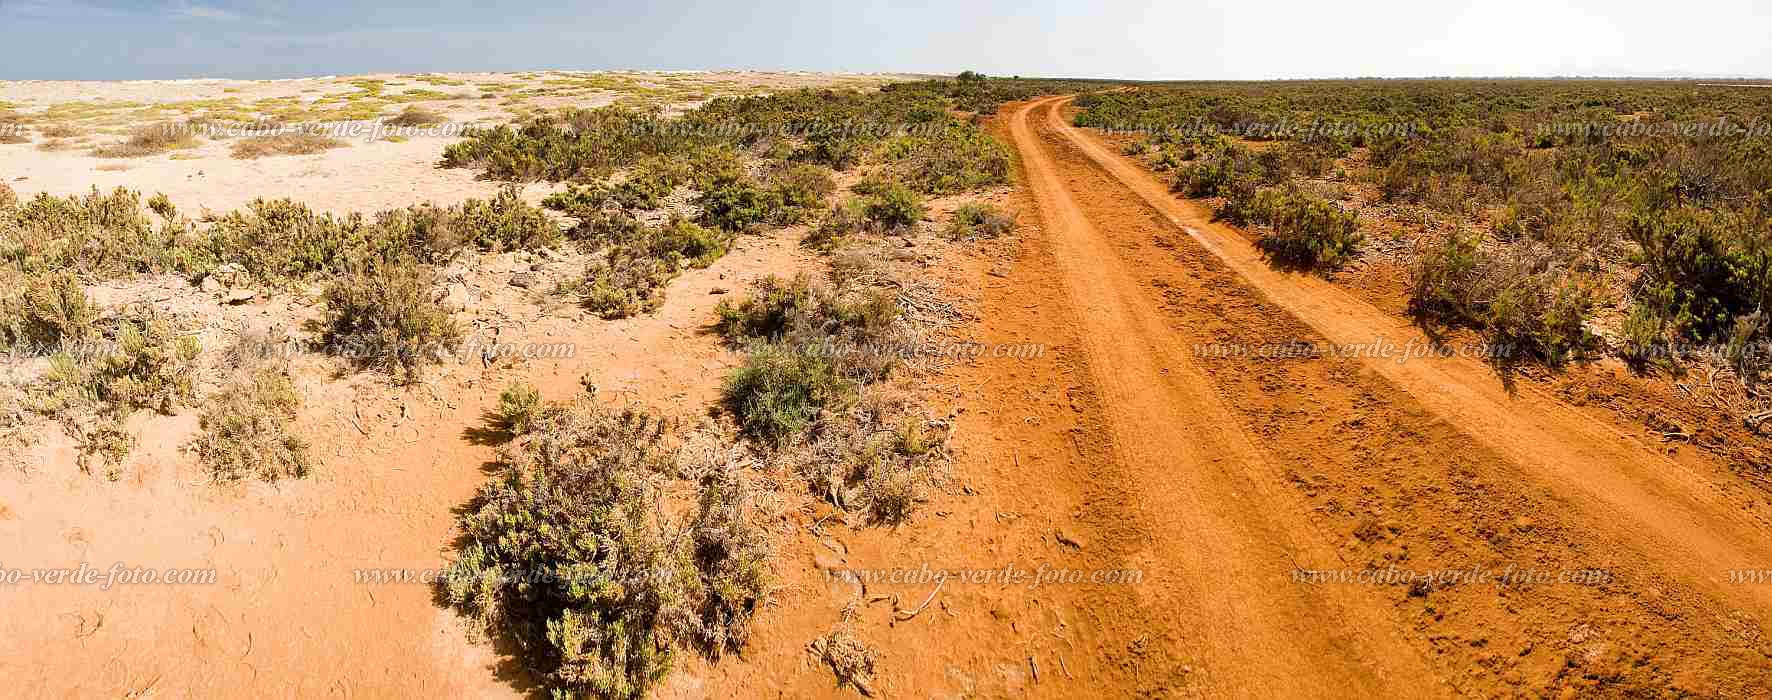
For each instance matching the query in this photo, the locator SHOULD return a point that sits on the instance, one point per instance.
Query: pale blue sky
(1153, 39)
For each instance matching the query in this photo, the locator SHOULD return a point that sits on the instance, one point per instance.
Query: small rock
(230, 274)
(523, 279)
(211, 284)
(826, 561)
(456, 296)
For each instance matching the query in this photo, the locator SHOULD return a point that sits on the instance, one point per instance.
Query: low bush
(874, 456)
(808, 349)
(732, 550)
(974, 220)
(799, 309)
(802, 190)
(1305, 231)
(284, 144)
(414, 115)
(631, 276)
(100, 234)
(248, 429)
(952, 160)
(624, 284)
(48, 311)
(149, 140)
(1521, 298)
(780, 391)
(139, 360)
(387, 316)
(518, 406)
(569, 554)
(738, 204)
(505, 222)
(894, 206)
(844, 219)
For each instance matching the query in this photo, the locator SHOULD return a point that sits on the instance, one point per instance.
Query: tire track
(1226, 532)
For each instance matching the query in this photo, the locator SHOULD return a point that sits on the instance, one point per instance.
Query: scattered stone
(456, 296)
(826, 561)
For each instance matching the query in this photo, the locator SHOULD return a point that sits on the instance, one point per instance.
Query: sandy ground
(370, 174)
(1217, 479)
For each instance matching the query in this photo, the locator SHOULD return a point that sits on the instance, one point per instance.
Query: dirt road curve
(1242, 471)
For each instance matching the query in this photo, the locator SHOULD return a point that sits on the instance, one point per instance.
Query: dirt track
(1234, 472)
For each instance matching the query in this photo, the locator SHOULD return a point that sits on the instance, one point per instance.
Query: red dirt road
(1235, 472)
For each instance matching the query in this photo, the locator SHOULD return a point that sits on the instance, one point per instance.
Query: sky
(1132, 39)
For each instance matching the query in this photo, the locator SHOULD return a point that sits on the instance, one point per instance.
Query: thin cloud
(215, 13)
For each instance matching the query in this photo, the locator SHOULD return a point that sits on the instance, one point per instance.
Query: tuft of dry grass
(417, 116)
(297, 144)
(247, 429)
(150, 140)
(851, 659)
(60, 131)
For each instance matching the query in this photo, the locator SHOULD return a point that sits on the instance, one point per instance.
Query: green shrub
(139, 360)
(505, 222)
(624, 283)
(1306, 231)
(955, 159)
(569, 554)
(50, 310)
(102, 235)
(802, 190)
(974, 220)
(388, 317)
(844, 219)
(776, 309)
(518, 405)
(893, 207)
(247, 429)
(778, 391)
(1522, 300)
(735, 205)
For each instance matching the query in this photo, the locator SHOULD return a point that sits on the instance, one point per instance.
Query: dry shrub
(632, 274)
(851, 659)
(876, 456)
(975, 220)
(152, 139)
(48, 311)
(140, 360)
(1521, 297)
(571, 554)
(247, 429)
(387, 317)
(417, 116)
(60, 131)
(290, 144)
